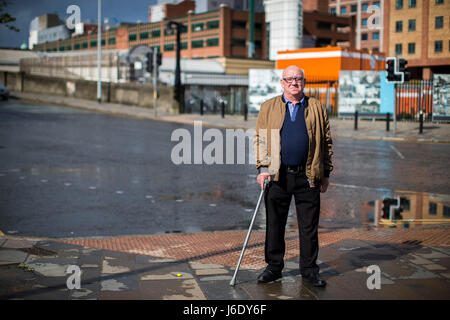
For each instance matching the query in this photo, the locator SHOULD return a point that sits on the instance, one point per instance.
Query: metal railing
(412, 97)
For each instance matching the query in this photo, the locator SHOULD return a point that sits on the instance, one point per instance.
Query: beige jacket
(267, 140)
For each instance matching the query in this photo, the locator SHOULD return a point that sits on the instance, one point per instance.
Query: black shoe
(269, 276)
(315, 280)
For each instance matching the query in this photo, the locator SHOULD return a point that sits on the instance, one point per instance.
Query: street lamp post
(99, 52)
(179, 96)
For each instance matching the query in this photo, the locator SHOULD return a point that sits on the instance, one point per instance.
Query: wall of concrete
(136, 94)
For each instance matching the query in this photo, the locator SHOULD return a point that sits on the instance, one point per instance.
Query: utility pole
(251, 36)
(99, 51)
(179, 96)
(155, 78)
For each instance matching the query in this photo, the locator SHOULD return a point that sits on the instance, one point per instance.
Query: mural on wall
(441, 97)
(359, 91)
(263, 84)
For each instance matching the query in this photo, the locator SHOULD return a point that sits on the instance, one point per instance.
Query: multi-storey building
(368, 21)
(219, 33)
(285, 21)
(419, 31)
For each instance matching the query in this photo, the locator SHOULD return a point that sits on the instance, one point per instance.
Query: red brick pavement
(224, 247)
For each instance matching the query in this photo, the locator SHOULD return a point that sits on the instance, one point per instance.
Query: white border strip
(327, 54)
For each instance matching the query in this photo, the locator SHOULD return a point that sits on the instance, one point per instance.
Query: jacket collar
(303, 101)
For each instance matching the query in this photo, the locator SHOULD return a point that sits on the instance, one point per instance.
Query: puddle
(405, 209)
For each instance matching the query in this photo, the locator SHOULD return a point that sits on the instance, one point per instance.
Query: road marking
(359, 187)
(397, 152)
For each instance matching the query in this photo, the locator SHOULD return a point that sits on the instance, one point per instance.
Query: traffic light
(390, 68)
(402, 68)
(149, 62)
(158, 58)
(392, 71)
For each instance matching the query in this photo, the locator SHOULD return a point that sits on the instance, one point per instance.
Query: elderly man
(293, 152)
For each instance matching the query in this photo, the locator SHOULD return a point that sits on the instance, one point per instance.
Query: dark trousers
(277, 198)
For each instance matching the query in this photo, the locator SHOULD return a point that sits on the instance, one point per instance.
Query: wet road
(69, 173)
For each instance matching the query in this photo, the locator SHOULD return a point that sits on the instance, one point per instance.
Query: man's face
(293, 87)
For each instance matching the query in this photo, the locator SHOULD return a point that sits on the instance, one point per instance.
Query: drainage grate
(412, 242)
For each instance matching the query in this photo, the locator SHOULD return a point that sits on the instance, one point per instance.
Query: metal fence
(412, 97)
(326, 91)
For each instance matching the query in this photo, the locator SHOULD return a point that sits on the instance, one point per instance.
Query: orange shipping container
(326, 63)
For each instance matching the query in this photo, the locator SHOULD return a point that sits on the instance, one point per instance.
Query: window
(238, 42)
(143, 35)
(333, 11)
(364, 7)
(364, 36)
(197, 44)
(439, 1)
(213, 42)
(446, 212)
(412, 3)
(432, 208)
(183, 45)
(438, 46)
(321, 25)
(212, 24)
(239, 24)
(398, 4)
(93, 43)
(439, 22)
(112, 40)
(169, 47)
(376, 36)
(132, 37)
(376, 49)
(343, 10)
(411, 48)
(156, 33)
(398, 48)
(412, 25)
(61, 48)
(195, 27)
(353, 8)
(85, 45)
(69, 47)
(77, 46)
(103, 42)
(184, 29)
(398, 26)
(376, 3)
(364, 22)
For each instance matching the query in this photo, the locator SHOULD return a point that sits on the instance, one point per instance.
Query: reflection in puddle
(406, 210)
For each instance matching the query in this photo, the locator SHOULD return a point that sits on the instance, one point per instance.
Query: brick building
(219, 33)
(419, 31)
(368, 35)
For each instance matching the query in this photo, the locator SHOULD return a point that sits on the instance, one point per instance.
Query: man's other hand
(324, 185)
(261, 177)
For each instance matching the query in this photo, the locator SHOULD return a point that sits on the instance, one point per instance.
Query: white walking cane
(233, 280)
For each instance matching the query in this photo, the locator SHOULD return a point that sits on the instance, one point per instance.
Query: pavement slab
(346, 260)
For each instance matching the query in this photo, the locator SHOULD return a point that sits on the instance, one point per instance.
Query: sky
(26, 10)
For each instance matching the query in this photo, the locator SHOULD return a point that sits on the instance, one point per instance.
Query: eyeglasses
(290, 80)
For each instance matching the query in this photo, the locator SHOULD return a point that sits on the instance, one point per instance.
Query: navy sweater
(294, 138)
